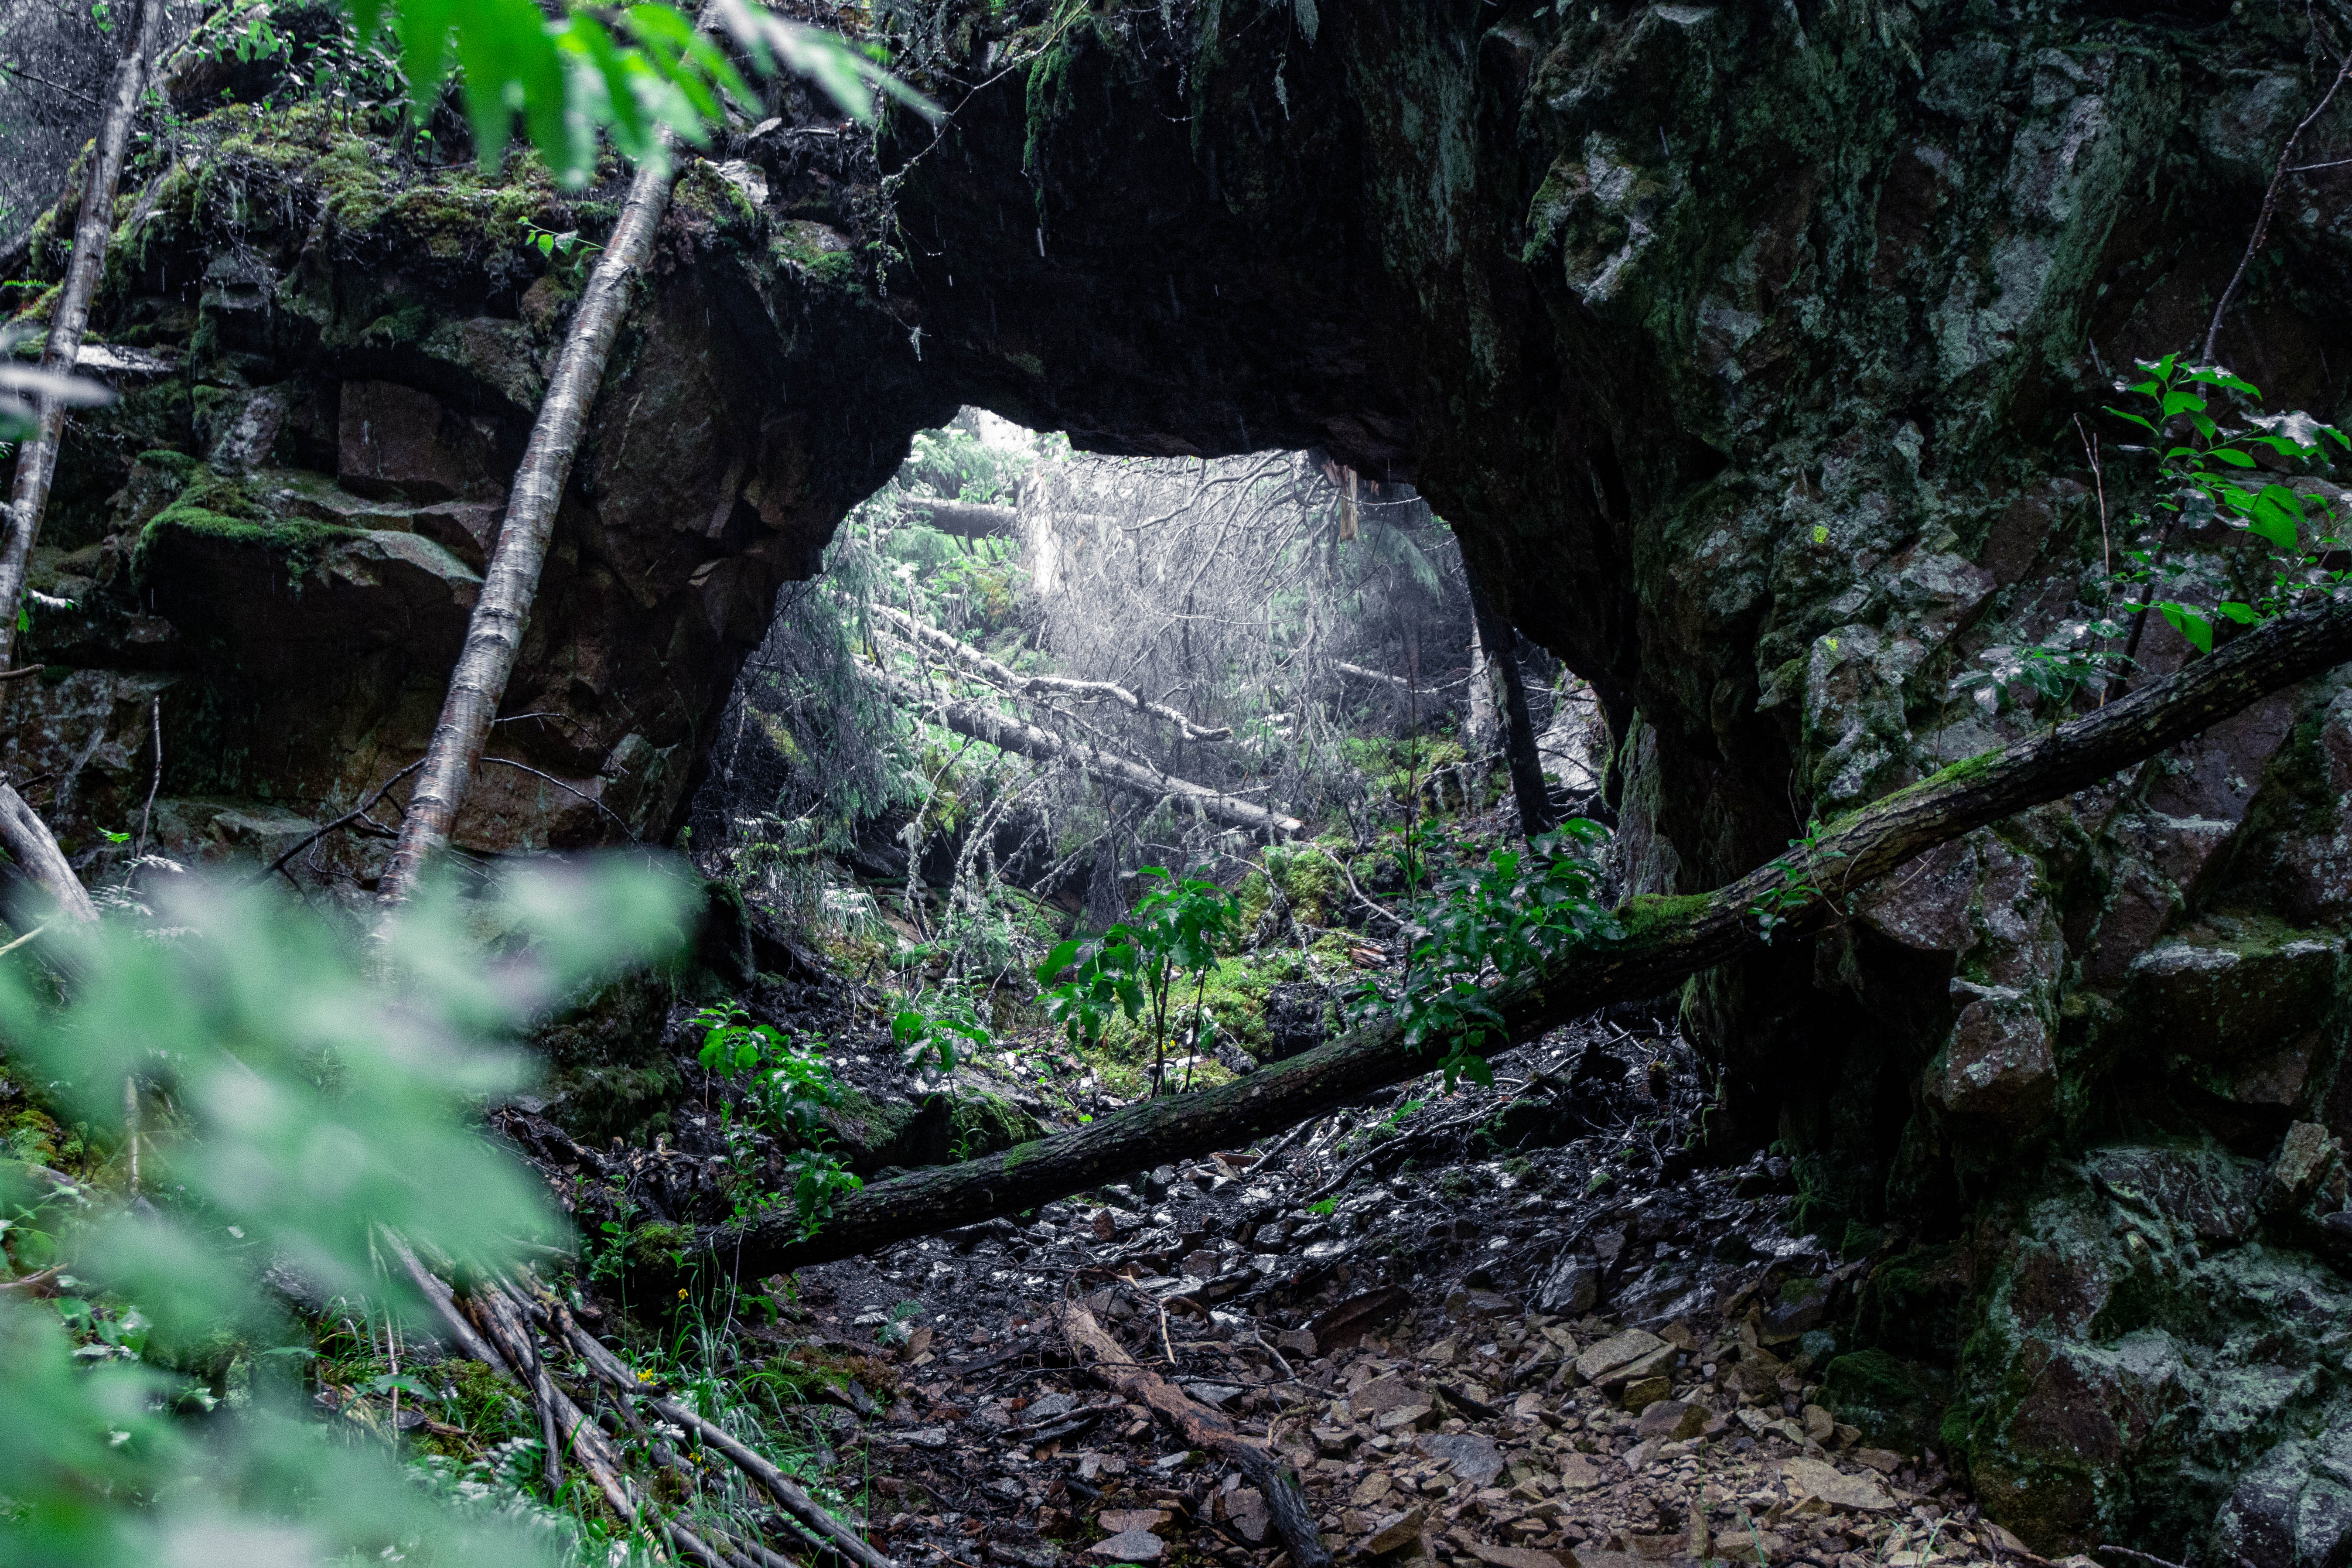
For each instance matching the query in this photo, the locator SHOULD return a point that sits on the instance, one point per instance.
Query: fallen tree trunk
(1661, 943)
(1285, 1500)
(37, 458)
(1016, 684)
(1378, 676)
(1008, 734)
(971, 520)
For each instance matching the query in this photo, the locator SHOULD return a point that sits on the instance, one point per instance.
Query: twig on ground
(2144, 1557)
(1286, 1502)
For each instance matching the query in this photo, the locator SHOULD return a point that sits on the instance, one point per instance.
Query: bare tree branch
(1007, 733)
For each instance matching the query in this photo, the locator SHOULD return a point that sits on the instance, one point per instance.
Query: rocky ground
(1493, 1327)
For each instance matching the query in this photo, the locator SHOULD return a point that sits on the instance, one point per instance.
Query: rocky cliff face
(1741, 344)
(329, 353)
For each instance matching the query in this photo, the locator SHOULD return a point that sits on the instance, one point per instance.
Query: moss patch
(1898, 1405)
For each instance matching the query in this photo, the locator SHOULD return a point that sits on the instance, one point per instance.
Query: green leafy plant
(1173, 929)
(2055, 669)
(2205, 468)
(930, 1038)
(790, 1089)
(636, 71)
(1797, 887)
(310, 1107)
(1482, 925)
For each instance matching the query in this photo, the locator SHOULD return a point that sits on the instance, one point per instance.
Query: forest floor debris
(1479, 1350)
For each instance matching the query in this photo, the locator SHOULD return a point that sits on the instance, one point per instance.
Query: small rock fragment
(1396, 1530)
(1615, 1352)
(1474, 1457)
(1812, 1478)
(1130, 1546)
(1118, 1522)
(1672, 1420)
(1646, 1391)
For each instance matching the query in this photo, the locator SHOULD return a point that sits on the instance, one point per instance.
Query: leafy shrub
(304, 1107)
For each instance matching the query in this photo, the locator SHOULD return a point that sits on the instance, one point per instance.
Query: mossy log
(1659, 942)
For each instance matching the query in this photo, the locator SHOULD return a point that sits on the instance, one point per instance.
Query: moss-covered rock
(1898, 1405)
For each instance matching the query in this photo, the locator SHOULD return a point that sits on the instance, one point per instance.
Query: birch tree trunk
(1479, 728)
(478, 683)
(36, 458)
(35, 849)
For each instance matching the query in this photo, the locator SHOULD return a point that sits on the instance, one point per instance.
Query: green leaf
(2232, 456)
(2275, 516)
(2242, 614)
(2189, 624)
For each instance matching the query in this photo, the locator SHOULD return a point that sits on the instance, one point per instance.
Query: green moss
(1897, 1404)
(985, 1123)
(801, 245)
(215, 512)
(658, 1243)
(1646, 916)
(179, 465)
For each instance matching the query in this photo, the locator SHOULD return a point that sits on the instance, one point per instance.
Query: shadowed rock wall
(330, 352)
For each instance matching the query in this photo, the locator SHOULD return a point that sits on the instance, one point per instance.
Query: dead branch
(2270, 203)
(1197, 1425)
(1038, 685)
(356, 814)
(969, 519)
(829, 1532)
(1378, 676)
(1008, 734)
(155, 780)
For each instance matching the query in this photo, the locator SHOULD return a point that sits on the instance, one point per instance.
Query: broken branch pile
(495, 1324)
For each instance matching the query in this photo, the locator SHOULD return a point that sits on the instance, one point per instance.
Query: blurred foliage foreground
(255, 1103)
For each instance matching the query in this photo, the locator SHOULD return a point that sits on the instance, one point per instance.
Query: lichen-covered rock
(2149, 1354)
